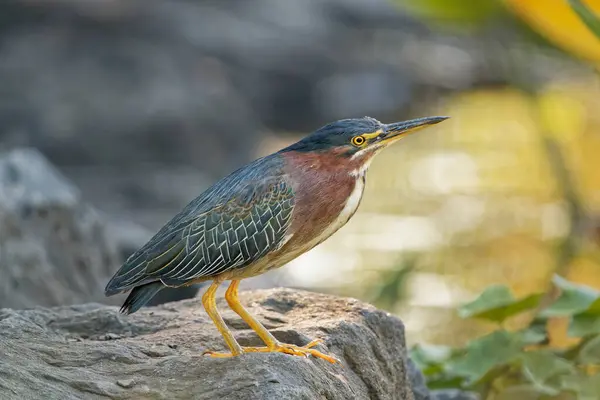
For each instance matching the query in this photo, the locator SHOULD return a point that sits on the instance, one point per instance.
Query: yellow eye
(358, 140)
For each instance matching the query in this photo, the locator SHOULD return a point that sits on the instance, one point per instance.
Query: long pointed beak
(395, 131)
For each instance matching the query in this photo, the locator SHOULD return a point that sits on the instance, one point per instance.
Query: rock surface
(92, 352)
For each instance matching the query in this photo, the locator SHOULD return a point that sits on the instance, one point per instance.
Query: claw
(215, 354)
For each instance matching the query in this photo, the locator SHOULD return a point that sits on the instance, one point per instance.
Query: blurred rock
(54, 250)
(417, 380)
(185, 83)
(146, 195)
(103, 84)
(91, 351)
(173, 95)
(144, 103)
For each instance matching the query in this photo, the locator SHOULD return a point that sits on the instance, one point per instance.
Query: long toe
(303, 351)
(291, 349)
(306, 351)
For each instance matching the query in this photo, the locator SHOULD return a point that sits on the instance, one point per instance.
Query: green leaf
(573, 299)
(590, 352)
(519, 306)
(583, 325)
(429, 358)
(587, 16)
(444, 381)
(535, 333)
(492, 297)
(594, 308)
(497, 303)
(391, 291)
(519, 392)
(485, 353)
(572, 353)
(586, 387)
(543, 367)
(587, 322)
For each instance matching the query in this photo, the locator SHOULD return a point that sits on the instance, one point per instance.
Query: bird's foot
(292, 349)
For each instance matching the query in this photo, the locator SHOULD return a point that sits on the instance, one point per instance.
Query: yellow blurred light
(585, 272)
(555, 20)
(562, 115)
(494, 117)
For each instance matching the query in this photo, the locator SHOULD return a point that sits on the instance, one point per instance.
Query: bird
(258, 218)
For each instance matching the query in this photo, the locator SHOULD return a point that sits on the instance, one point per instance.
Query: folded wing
(232, 225)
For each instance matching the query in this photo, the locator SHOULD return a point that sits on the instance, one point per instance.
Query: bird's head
(359, 138)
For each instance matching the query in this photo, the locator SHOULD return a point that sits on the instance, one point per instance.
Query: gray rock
(54, 250)
(185, 90)
(417, 380)
(91, 351)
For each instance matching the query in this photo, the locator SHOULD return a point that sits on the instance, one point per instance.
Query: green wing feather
(233, 224)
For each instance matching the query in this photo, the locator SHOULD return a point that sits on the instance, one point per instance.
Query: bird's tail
(140, 296)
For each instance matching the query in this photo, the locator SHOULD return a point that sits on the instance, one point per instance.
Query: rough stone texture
(92, 352)
(419, 386)
(54, 249)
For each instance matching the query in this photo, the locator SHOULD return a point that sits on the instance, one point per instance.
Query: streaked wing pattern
(249, 220)
(234, 235)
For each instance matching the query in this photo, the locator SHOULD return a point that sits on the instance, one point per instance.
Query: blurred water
(475, 201)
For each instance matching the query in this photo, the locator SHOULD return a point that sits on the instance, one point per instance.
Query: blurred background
(114, 114)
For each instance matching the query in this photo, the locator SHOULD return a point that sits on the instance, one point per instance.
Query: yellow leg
(210, 305)
(273, 345)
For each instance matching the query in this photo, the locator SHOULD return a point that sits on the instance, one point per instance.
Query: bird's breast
(326, 197)
(349, 208)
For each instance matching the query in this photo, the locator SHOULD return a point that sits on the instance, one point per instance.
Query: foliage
(587, 16)
(573, 25)
(391, 288)
(522, 363)
(570, 24)
(458, 13)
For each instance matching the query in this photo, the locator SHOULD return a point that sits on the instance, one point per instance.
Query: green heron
(261, 217)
